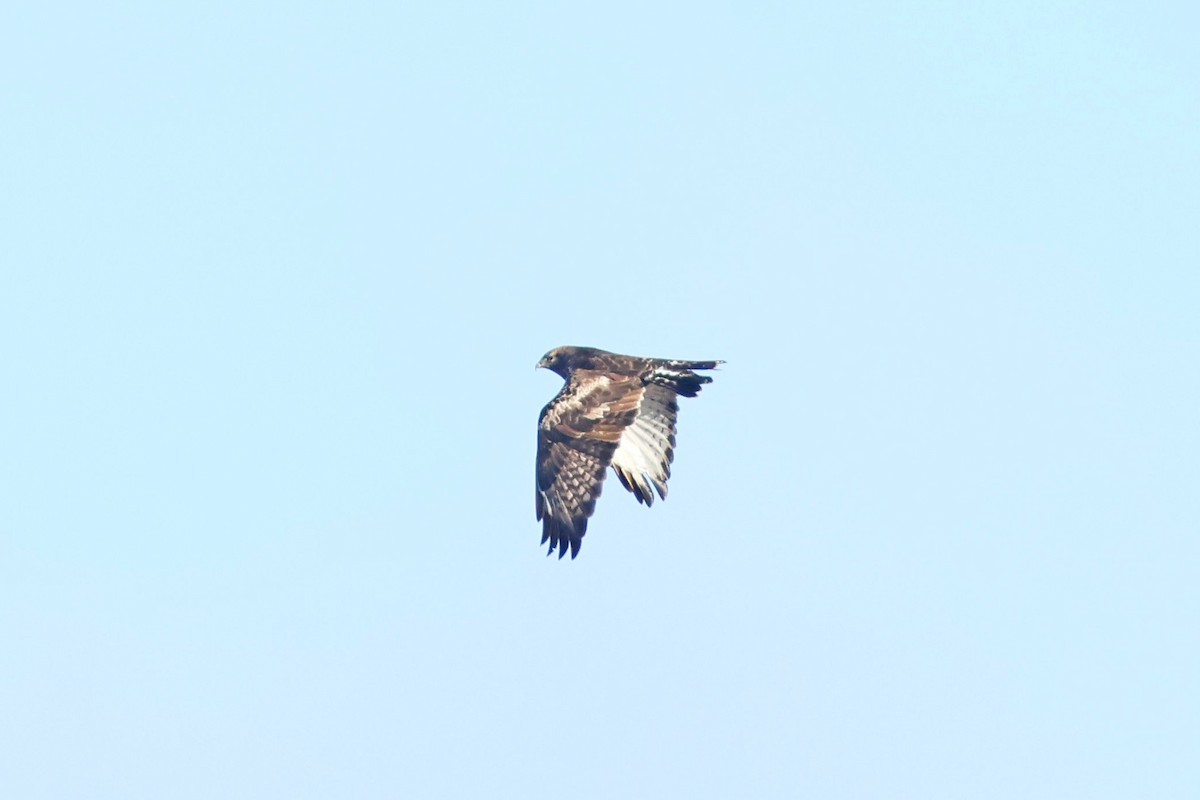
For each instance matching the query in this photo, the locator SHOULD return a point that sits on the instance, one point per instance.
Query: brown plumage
(613, 410)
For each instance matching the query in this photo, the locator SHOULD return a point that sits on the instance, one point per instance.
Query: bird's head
(556, 361)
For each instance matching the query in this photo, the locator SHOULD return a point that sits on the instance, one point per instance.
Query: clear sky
(274, 279)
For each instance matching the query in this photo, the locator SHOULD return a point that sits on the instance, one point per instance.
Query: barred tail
(695, 364)
(678, 376)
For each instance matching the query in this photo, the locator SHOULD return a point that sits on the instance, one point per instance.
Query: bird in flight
(613, 411)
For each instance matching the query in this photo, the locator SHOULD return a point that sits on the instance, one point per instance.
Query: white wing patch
(647, 447)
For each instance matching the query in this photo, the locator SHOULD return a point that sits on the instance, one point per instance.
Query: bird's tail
(679, 377)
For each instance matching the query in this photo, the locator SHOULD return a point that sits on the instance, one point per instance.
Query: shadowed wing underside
(578, 434)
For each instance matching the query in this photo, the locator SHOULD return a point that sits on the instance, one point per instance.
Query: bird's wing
(578, 433)
(647, 446)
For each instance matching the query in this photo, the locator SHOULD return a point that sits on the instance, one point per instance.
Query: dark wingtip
(562, 534)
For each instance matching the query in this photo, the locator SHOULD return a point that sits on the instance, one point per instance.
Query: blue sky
(274, 281)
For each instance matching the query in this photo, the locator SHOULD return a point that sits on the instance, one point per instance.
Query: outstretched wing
(578, 433)
(647, 447)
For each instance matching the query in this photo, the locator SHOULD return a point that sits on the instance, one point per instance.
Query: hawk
(613, 411)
